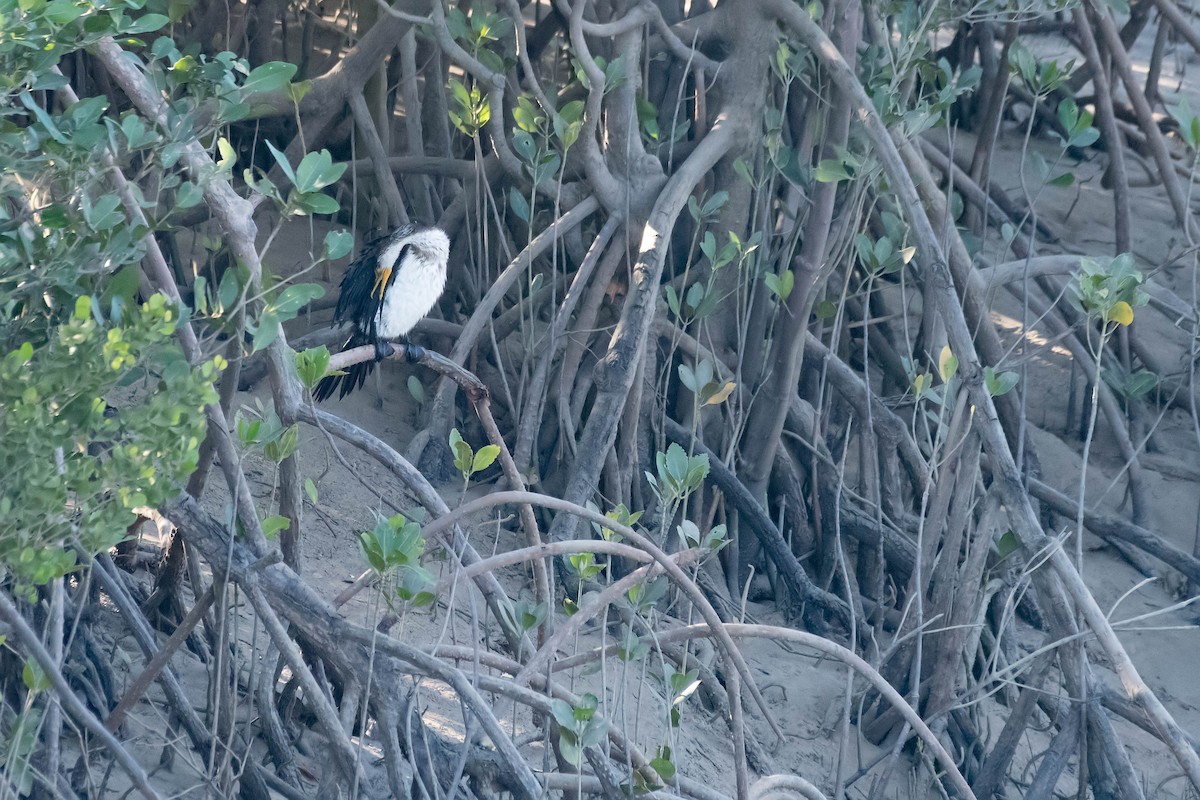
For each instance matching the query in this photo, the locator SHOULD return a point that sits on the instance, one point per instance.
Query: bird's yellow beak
(381, 278)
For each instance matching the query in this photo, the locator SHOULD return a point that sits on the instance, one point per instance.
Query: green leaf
(55, 217)
(742, 168)
(525, 147)
(780, 285)
(337, 245)
(1140, 383)
(999, 384)
(519, 205)
(294, 297)
(563, 714)
(1007, 544)
(147, 23)
(317, 203)
(287, 444)
(416, 388)
(663, 765)
(273, 524)
(312, 365)
(1068, 113)
(62, 13)
(677, 463)
(569, 122)
(921, 383)
(484, 458)
(34, 678)
(464, 456)
(527, 115)
(188, 195)
(124, 284)
(715, 203)
(316, 171)
(229, 289)
(947, 364)
(310, 489)
(267, 331)
(297, 91)
(282, 161)
(673, 300)
(270, 77)
(697, 377)
(588, 703)
(830, 171)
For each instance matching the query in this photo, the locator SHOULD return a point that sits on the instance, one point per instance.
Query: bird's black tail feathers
(355, 375)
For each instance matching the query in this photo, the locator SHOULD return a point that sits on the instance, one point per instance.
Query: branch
(615, 372)
(234, 214)
(74, 706)
(456, 544)
(793, 574)
(1110, 527)
(466, 380)
(474, 327)
(397, 214)
(666, 562)
(346, 645)
(1179, 22)
(1145, 115)
(160, 660)
(1007, 478)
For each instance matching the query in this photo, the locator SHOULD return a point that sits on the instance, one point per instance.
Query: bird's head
(428, 244)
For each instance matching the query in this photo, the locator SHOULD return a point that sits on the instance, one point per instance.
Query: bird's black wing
(355, 303)
(353, 377)
(357, 306)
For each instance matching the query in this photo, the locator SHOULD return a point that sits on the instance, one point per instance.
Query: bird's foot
(413, 353)
(383, 349)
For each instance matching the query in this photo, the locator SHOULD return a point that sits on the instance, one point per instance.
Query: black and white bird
(387, 289)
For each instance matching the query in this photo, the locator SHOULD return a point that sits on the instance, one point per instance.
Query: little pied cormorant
(387, 289)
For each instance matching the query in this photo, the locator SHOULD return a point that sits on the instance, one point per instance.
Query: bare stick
(668, 564)
(542, 703)
(483, 312)
(435, 361)
(73, 705)
(773, 787)
(397, 215)
(110, 579)
(1108, 128)
(1007, 478)
(477, 392)
(347, 645)
(1154, 138)
(798, 582)
(456, 542)
(1110, 527)
(140, 684)
(327, 719)
(1179, 22)
(533, 536)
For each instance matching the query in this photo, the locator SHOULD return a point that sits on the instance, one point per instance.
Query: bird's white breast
(417, 286)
